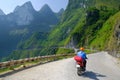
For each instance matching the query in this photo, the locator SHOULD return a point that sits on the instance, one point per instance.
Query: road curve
(100, 66)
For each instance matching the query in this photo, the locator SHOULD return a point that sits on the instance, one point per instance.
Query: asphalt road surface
(100, 66)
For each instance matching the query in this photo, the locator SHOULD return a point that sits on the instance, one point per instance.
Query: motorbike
(79, 65)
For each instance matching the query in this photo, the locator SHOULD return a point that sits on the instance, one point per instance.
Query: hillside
(89, 23)
(82, 23)
(109, 35)
(17, 27)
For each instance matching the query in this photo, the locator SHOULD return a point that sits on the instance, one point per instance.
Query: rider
(82, 54)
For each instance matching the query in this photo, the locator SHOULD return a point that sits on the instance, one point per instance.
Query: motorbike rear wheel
(80, 71)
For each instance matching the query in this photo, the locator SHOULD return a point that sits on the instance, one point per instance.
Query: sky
(8, 6)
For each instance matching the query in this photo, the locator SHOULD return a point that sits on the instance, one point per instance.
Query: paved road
(100, 66)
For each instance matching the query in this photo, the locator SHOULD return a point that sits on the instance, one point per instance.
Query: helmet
(82, 48)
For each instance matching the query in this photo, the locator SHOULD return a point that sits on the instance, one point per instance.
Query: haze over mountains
(17, 26)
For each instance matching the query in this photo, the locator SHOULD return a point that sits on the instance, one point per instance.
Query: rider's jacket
(82, 54)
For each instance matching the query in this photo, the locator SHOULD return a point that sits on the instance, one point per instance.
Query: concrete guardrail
(40, 59)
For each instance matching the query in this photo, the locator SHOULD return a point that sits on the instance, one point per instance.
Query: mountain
(45, 13)
(89, 23)
(81, 25)
(93, 3)
(81, 21)
(1, 12)
(46, 9)
(60, 13)
(22, 23)
(19, 17)
(108, 37)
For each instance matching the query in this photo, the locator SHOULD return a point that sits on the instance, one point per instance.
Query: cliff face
(83, 24)
(114, 41)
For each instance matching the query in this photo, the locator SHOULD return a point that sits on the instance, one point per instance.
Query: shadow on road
(93, 75)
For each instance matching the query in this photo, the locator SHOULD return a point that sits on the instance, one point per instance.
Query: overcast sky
(9, 5)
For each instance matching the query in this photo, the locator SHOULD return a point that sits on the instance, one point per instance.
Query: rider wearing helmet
(82, 54)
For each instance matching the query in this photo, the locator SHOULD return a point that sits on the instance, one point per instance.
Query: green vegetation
(4, 70)
(91, 25)
(64, 51)
(35, 41)
(8, 69)
(104, 38)
(63, 30)
(89, 51)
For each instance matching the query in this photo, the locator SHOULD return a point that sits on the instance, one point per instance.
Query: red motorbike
(79, 65)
